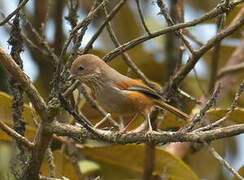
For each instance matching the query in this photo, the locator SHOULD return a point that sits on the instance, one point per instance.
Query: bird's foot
(150, 133)
(123, 130)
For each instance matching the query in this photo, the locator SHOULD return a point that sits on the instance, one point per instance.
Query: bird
(117, 93)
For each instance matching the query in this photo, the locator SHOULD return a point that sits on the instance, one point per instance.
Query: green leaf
(130, 159)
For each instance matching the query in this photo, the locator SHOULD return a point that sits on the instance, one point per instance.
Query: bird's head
(86, 67)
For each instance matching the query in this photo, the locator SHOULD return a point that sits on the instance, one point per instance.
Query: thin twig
(229, 112)
(100, 29)
(79, 117)
(41, 41)
(102, 121)
(192, 37)
(51, 178)
(209, 15)
(84, 22)
(142, 17)
(20, 6)
(184, 70)
(32, 44)
(12, 133)
(199, 83)
(50, 160)
(210, 103)
(216, 54)
(223, 162)
(230, 69)
(79, 35)
(164, 11)
(188, 96)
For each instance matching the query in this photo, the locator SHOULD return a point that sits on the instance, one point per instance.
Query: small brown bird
(117, 93)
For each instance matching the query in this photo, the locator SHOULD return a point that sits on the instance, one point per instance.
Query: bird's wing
(135, 85)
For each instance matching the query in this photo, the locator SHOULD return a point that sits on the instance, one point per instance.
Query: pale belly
(117, 101)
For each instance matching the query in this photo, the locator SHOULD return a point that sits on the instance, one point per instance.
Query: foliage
(158, 59)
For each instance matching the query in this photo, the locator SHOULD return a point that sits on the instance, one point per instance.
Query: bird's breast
(119, 101)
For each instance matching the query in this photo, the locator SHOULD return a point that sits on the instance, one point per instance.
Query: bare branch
(210, 103)
(223, 162)
(187, 33)
(227, 115)
(83, 23)
(162, 137)
(12, 133)
(142, 17)
(22, 78)
(184, 70)
(100, 29)
(231, 69)
(164, 11)
(6, 19)
(216, 53)
(209, 15)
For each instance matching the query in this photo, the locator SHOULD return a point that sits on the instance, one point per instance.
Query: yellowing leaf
(172, 121)
(131, 157)
(88, 167)
(6, 116)
(236, 116)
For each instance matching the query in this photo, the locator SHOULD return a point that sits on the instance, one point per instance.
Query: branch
(209, 15)
(108, 18)
(142, 17)
(12, 133)
(164, 11)
(210, 103)
(43, 137)
(184, 70)
(6, 19)
(163, 137)
(229, 79)
(231, 69)
(187, 33)
(37, 101)
(216, 54)
(41, 41)
(229, 112)
(16, 42)
(85, 22)
(223, 162)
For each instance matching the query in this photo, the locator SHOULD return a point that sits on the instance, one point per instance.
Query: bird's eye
(81, 68)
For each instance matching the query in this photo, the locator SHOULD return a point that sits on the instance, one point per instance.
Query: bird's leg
(121, 123)
(150, 129)
(130, 122)
(103, 120)
(149, 122)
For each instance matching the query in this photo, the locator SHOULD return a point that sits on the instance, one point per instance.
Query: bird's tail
(172, 109)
